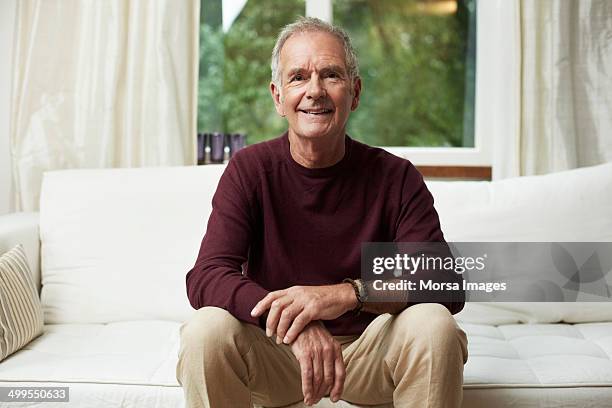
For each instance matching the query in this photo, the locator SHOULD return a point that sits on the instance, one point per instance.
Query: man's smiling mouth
(316, 111)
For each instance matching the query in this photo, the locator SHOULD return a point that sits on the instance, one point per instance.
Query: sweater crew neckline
(322, 171)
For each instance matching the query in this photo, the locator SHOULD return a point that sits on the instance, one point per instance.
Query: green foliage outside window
(417, 71)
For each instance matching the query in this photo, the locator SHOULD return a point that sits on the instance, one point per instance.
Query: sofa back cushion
(116, 244)
(568, 206)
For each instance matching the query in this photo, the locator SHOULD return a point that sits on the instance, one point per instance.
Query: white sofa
(112, 247)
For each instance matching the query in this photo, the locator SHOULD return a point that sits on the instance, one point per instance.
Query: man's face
(316, 95)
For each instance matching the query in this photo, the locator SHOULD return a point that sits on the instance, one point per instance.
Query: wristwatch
(361, 292)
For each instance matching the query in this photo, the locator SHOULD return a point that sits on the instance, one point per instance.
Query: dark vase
(217, 146)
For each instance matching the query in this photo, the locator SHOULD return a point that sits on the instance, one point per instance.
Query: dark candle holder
(217, 147)
(200, 151)
(207, 141)
(237, 142)
(227, 137)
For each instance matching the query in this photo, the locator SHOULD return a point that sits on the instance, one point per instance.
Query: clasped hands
(294, 317)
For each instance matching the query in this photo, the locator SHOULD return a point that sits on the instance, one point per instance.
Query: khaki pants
(413, 359)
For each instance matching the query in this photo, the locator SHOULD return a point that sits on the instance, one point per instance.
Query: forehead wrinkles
(306, 51)
(321, 66)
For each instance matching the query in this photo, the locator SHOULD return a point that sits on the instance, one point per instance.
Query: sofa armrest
(22, 228)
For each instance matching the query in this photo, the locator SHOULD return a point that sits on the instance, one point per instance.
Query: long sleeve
(419, 222)
(217, 278)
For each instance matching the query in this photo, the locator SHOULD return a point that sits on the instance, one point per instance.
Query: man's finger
(339, 375)
(329, 360)
(286, 318)
(264, 304)
(317, 378)
(306, 372)
(299, 322)
(276, 308)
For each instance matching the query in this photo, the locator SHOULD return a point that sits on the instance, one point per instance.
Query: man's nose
(316, 88)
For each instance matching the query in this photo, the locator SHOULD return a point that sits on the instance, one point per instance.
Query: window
(417, 67)
(417, 61)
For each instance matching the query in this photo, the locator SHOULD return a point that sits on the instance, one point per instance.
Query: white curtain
(95, 84)
(564, 82)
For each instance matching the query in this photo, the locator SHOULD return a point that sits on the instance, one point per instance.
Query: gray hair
(306, 24)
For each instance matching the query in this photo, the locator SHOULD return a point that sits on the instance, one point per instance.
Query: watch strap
(360, 292)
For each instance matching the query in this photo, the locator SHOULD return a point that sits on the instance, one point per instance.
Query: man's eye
(333, 75)
(297, 78)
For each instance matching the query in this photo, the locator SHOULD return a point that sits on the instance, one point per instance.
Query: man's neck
(317, 153)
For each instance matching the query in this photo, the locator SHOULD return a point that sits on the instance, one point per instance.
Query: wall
(7, 27)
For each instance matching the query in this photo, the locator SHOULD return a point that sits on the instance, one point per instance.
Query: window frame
(489, 84)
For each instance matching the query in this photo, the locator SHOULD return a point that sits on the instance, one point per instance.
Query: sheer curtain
(565, 86)
(101, 84)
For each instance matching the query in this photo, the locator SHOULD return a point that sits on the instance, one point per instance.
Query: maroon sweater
(285, 225)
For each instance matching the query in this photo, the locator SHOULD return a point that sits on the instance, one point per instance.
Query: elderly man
(281, 313)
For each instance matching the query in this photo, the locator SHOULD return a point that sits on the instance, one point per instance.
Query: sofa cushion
(116, 244)
(566, 206)
(545, 355)
(21, 317)
(138, 352)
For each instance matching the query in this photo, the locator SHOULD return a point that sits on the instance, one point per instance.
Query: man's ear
(276, 97)
(356, 93)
